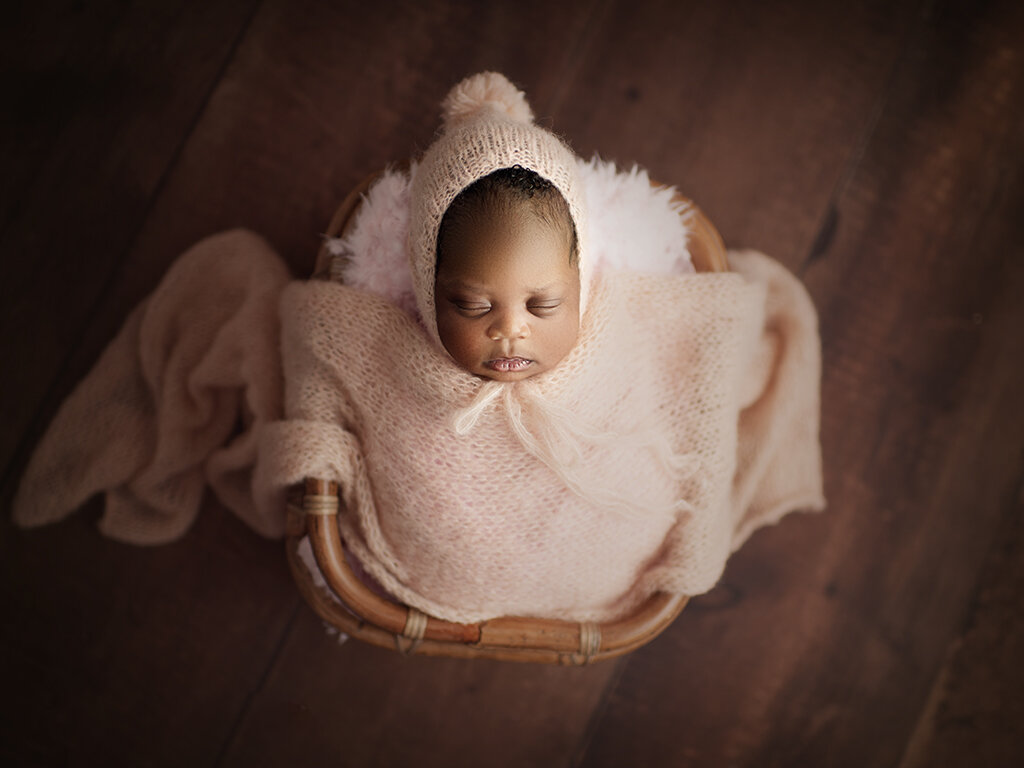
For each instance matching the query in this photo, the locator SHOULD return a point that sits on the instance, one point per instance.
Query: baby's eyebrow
(550, 287)
(460, 284)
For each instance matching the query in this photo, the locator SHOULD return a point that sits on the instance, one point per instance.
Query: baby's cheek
(567, 333)
(445, 331)
(457, 340)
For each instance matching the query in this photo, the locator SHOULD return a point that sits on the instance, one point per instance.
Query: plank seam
(597, 716)
(919, 739)
(830, 223)
(250, 697)
(36, 426)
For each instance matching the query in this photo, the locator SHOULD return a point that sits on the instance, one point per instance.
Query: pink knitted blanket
(686, 417)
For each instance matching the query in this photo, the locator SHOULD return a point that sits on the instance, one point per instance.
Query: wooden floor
(876, 148)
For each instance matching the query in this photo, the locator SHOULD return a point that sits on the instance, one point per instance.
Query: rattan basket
(362, 613)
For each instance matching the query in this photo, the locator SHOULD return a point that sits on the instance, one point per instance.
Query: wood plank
(62, 63)
(822, 643)
(105, 95)
(119, 655)
(755, 110)
(109, 652)
(976, 708)
(368, 706)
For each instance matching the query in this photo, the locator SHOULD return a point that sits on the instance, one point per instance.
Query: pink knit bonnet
(487, 126)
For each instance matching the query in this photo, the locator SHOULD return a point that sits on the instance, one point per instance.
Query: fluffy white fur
(633, 227)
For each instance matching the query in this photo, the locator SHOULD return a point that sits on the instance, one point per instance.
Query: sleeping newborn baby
(535, 438)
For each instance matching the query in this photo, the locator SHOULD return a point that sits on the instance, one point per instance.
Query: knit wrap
(468, 524)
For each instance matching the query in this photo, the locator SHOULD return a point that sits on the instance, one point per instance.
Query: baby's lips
(509, 364)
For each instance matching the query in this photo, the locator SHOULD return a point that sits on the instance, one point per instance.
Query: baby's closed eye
(544, 307)
(471, 308)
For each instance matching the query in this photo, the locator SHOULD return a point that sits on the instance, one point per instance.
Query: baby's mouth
(508, 364)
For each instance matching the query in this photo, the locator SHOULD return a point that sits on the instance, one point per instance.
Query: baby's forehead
(514, 234)
(519, 219)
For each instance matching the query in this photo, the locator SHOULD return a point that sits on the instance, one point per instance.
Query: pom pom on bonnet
(488, 125)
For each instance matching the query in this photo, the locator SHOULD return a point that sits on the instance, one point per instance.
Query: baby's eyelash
(471, 308)
(544, 308)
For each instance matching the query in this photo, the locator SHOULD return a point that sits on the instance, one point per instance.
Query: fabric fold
(173, 404)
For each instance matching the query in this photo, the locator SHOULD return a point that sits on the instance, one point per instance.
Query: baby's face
(508, 300)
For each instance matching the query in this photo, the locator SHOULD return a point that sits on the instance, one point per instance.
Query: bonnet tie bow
(557, 436)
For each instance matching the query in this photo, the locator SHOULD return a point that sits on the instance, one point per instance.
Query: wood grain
(876, 148)
(107, 93)
(975, 709)
(755, 110)
(378, 708)
(120, 655)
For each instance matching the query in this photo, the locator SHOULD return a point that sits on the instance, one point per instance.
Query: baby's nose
(508, 325)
